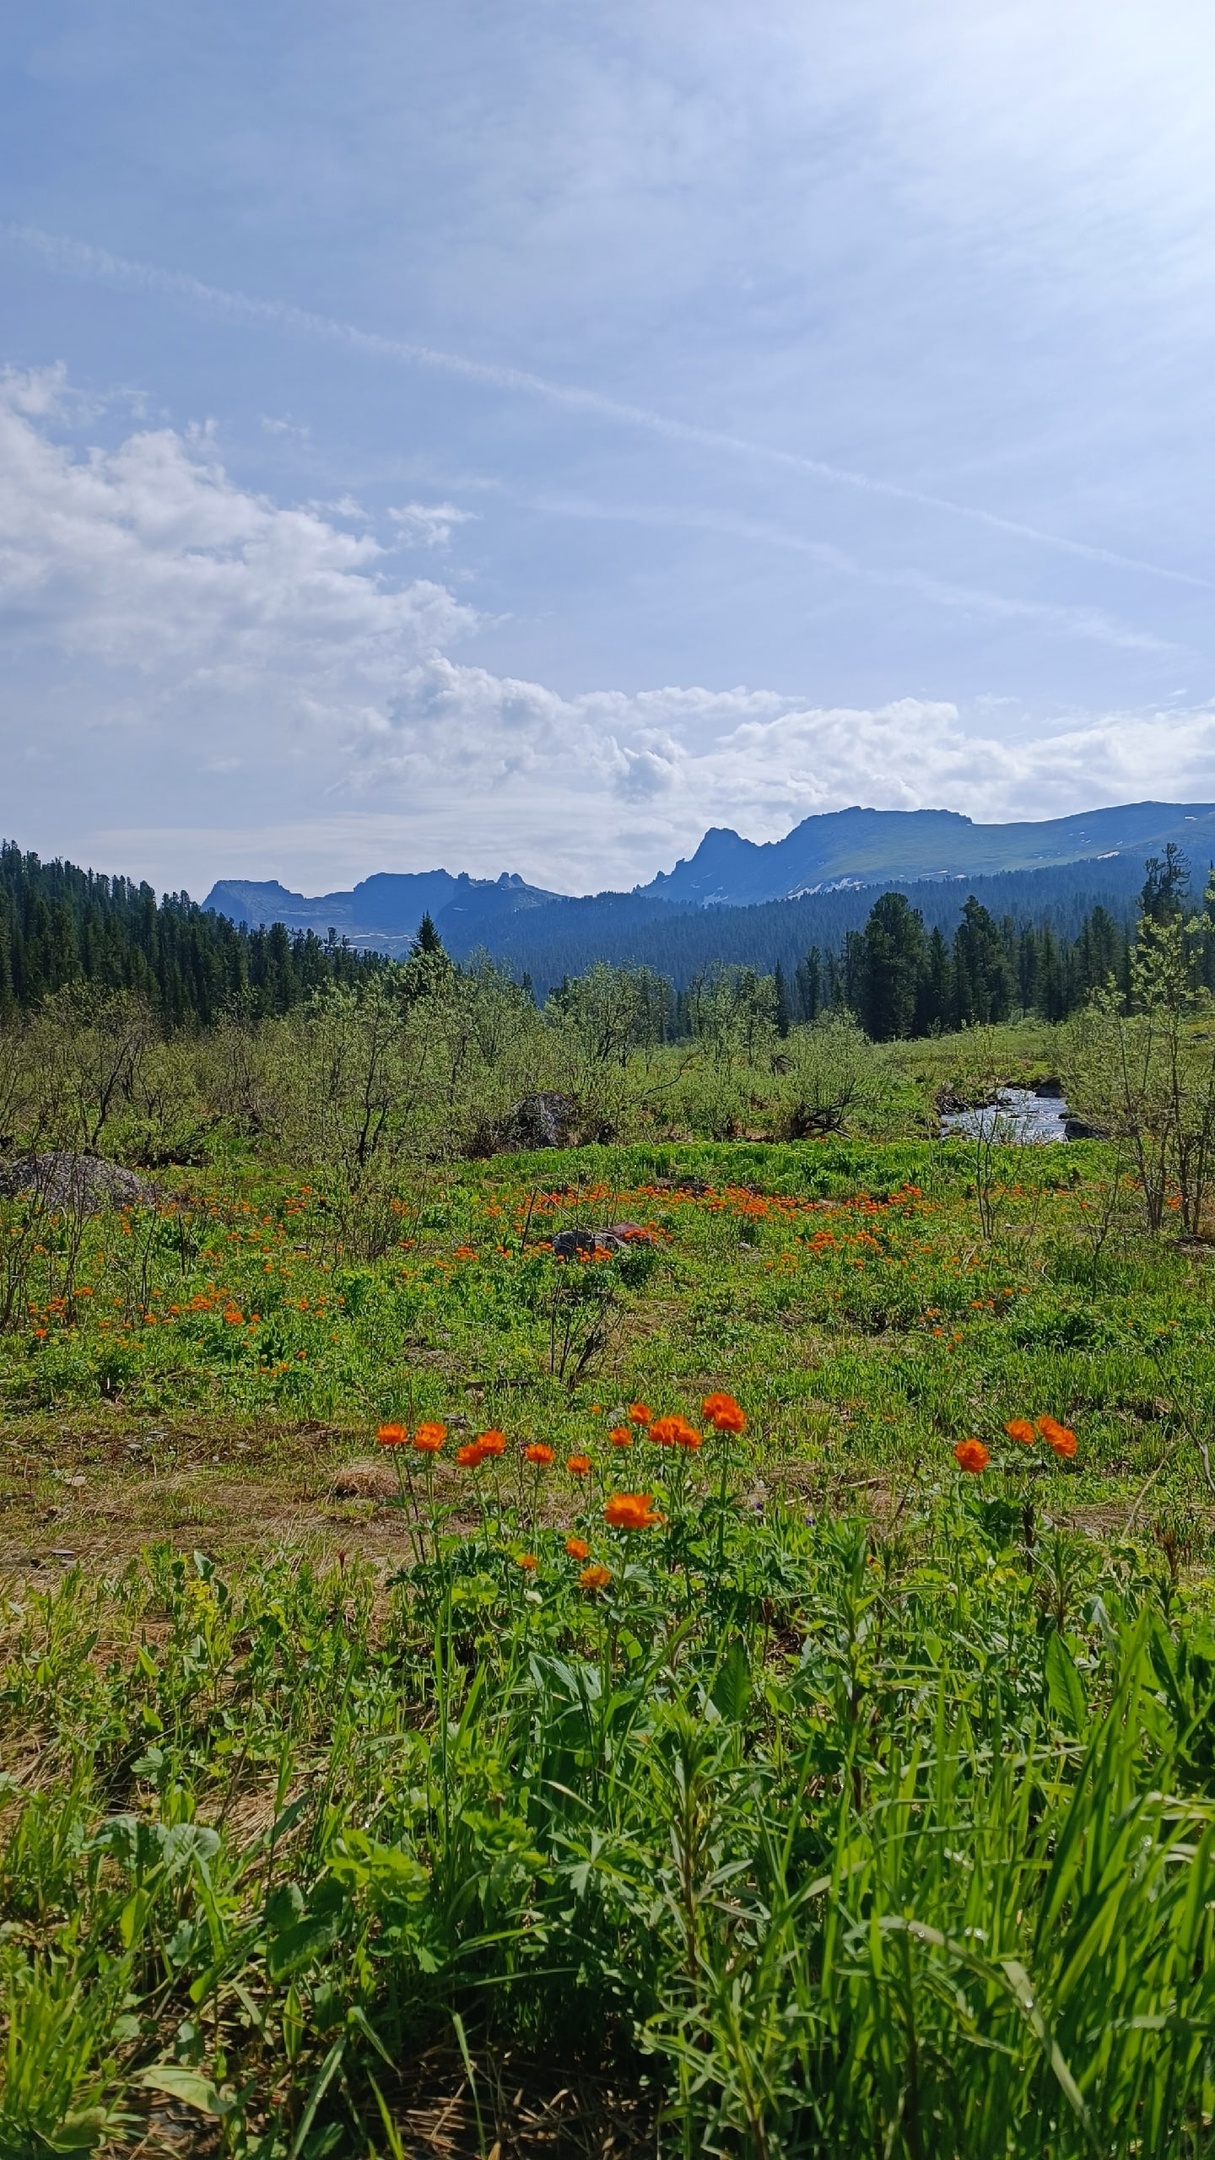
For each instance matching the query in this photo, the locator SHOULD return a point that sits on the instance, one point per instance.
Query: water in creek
(1024, 1118)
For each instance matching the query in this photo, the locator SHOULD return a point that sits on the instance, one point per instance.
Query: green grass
(867, 1809)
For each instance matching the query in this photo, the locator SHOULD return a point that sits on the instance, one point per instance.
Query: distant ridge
(834, 851)
(383, 912)
(870, 847)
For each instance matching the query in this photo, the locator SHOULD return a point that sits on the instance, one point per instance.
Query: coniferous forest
(900, 975)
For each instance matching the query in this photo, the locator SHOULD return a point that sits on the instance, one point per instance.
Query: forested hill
(61, 925)
(565, 937)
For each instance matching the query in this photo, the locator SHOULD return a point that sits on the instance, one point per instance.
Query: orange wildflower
(620, 1436)
(579, 1465)
(594, 1578)
(1021, 1428)
(724, 1414)
(1060, 1438)
(536, 1452)
(428, 1439)
(640, 1413)
(972, 1456)
(577, 1548)
(690, 1439)
(527, 1560)
(631, 1511)
(469, 1455)
(665, 1431)
(492, 1442)
(392, 1435)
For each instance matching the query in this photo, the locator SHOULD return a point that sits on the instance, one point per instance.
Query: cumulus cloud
(281, 701)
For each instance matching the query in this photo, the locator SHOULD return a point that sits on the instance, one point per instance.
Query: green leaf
(302, 1937)
(1064, 1686)
(189, 2086)
(78, 2132)
(731, 1690)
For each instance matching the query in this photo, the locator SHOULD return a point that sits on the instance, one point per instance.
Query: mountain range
(839, 851)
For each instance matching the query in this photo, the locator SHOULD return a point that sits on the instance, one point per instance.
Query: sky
(520, 434)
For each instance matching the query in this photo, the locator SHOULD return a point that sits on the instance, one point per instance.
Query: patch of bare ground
(511, 2106)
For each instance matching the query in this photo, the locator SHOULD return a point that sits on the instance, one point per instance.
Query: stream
(1024, 1119)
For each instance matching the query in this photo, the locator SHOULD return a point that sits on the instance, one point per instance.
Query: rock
(84, 1183)
(1050, 1090)
(568, 1242)
(613, 1239)
(1074, 1128)
(541, 1121)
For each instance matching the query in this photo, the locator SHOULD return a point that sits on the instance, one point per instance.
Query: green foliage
(838, 1844)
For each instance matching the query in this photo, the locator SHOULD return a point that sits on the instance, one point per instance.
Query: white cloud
(429, 524)
(220, 633)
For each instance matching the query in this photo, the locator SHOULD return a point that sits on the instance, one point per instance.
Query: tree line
(60, 925)
(900, 977)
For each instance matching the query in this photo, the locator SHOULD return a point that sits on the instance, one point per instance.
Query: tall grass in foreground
(805, 1843)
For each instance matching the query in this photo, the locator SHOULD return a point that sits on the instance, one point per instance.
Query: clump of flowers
(631, 1511)
(724, 1414)
(673, 1431)
(1060, 1438)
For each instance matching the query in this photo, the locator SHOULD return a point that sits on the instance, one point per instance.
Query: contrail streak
(78, 259)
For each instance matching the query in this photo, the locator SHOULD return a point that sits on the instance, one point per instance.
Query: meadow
(742, 1685)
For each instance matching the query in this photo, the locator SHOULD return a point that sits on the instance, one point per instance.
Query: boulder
(86, 1184)
(543, 1120)
(615, 1238)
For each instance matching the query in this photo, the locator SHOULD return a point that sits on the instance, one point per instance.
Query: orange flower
(690, 1439)
(469, 1456)
(577, 1548)
(1020, 1428)
(527, 1560)
(665, 1431)
(392, 1435)
(724, 1414)
(428, 1439)
(640, 1413)
(492, 1442)
(594, 1578)
(1058, 1437)
(620, 1436)
(234, 1317)
(536, 1452)
(579, 1465)
(631, 1511)
(972, 1456)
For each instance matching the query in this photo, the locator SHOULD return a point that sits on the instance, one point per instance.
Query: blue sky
(518, 435)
